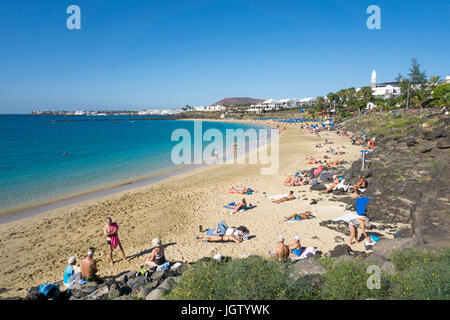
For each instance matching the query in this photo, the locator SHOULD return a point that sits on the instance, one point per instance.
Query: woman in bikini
(232, 234)
(288, 198)
(240, 206)
(298, 216)
(156, 258)
(236, 189)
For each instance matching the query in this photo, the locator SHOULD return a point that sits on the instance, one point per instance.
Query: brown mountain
(233, 101)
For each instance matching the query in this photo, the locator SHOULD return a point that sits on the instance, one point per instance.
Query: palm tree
(434, 81)
(420, 97)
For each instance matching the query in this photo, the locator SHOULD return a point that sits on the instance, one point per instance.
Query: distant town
(378, 92)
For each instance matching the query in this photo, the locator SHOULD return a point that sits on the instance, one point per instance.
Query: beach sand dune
(35, 250)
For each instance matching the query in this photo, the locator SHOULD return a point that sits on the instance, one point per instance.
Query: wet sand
(35, 250)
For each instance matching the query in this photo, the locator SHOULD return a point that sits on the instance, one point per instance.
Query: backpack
(49, 290)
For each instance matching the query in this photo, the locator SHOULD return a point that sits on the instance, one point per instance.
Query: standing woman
(111, 230)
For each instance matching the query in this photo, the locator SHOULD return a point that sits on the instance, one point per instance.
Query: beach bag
(164, 266)
(243, 229)
(49, 290)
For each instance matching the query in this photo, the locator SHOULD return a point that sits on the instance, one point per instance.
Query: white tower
(373, 82)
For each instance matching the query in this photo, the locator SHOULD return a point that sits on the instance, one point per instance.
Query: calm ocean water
(99, 154)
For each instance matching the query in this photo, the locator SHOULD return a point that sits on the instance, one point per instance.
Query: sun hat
(297, 238)
(156, 242)
(72, 260)
(218, 257)
(280, 239)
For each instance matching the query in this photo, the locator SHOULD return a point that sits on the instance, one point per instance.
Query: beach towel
(306, 253)
(347, 217)
(230, 206)
(278, 197)
(361, 204)
(212, 232)
(296, 220)
(115, 238)
(318, 171)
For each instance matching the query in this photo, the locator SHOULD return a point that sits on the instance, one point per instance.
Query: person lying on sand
(298, 216)
(231, 234)
(362, 183)
(239, 206)
(110, 230)
(295, 181)
(327, 164)
(236, 189)
(333, 185)
(220, 238)
(89, 267)
(282, 250)
(295, 248)
(288, 198)
(157, 257)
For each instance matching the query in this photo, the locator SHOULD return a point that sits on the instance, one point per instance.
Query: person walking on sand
(110, 231)
(282, 250)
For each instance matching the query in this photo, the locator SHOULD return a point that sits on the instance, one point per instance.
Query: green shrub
(421, 274)
(348, 281)
(243, 279)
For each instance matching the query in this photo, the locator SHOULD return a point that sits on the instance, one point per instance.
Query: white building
(307, 102)
(447, 79)
(209, 108)
(383, 91)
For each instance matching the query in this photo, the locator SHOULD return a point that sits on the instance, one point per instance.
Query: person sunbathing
(333, 163)
(288, 198)
(333, 185)
(295, 181)
(295, 248)
(362, 183)
(239, 206)
(314, 161)
(231, 234)
(236, 189)
(298, 216)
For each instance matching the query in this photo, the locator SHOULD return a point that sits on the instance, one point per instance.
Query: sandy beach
(35, 250)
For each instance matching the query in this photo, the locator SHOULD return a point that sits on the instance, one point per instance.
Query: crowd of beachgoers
(322, 176)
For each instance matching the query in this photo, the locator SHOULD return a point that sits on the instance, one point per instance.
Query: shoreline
(32, 209)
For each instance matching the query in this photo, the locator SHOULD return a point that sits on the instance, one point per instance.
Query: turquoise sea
(101, 152)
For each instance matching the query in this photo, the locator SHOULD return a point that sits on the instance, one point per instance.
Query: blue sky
(161, 54)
